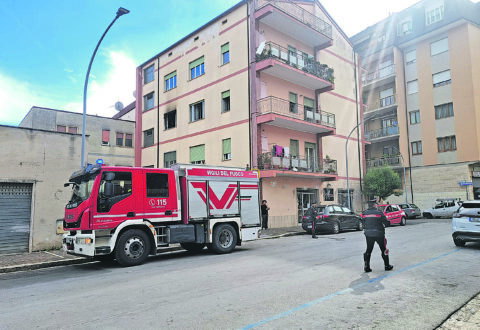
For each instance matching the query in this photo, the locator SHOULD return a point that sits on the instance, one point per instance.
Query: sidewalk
(466, 317)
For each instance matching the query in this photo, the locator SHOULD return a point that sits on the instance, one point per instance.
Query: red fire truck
(127, 213)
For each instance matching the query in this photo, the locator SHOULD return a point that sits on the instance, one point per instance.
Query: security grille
(15, 212)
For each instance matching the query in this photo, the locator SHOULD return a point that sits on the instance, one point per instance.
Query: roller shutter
(15, 212)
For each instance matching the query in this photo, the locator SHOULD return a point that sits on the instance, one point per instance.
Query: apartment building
(420, 82)
(267, 85)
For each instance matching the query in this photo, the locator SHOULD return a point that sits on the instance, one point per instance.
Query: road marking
(338, 293)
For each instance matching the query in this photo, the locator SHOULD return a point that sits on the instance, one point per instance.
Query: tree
(381, 182)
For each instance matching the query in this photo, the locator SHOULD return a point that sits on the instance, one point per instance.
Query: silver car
(411, 210)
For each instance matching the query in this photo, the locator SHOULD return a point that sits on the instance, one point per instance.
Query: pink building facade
(270, 85)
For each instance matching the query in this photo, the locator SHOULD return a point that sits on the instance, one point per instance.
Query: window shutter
(293, 97)
(294, 147)
(441, 76)
(439, 46)
(197, 153)
(411, 56)
(119, 135)
(105, 135)
(225, 48)
(173, 74)
(386, 93)
(308, 102)
(225, 94)
(197, 62)
(227, 146)
(170, 156)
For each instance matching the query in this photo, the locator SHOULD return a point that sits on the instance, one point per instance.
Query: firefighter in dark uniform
(312, 213)
(374, 229)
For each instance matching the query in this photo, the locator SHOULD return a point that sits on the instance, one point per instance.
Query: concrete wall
(46, 159)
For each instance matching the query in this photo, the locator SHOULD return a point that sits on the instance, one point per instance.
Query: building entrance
(305, 198)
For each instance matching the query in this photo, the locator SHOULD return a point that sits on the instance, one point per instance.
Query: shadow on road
(365, 284)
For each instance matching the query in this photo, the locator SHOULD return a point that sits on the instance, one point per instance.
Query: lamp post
(121, 11)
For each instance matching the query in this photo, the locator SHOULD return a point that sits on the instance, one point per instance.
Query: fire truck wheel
(132, 248)
(192, 247)
(224, 239)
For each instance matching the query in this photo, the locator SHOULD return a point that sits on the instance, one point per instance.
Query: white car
(443, 208)
(466, 223)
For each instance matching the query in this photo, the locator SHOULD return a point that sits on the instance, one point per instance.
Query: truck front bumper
(79, 244)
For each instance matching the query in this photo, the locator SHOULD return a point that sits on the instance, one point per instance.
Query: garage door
(15, 211)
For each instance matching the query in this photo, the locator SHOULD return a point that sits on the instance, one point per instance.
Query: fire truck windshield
(82, 190)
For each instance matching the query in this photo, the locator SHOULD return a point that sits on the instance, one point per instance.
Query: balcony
(294, 21)
(297, 117)
(394, 161)
(294, 67)
(296, 166)
(382, 134)
(384, 106)
(378, 77)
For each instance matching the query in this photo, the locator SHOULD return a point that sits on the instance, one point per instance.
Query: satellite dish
(260, 48)
(118, 106)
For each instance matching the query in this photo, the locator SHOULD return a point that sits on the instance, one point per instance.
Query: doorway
(305, 198)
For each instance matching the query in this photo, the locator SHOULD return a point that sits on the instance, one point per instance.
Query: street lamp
(121, 11)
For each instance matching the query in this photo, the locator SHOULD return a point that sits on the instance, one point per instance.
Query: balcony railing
(378, 74)
(267, 161)
(300, 14)
(296, 60)
(277, 105)
(382, 132)
(394, 161)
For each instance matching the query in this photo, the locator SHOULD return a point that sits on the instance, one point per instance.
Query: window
(119, 139)
(411, 57)
(148, 101)
(386, 97)
(439, 46)
(444, 110)
(197, 154)
(72, 130)
(225, 101)
(447, 143)
(412, 87)
(308, 104)
(171, 81)
(128, 140)
(149, 74)
(170, 119)
(225, 53)
(65, 129)
(328, 195)
(197, 68)
(105, 137)
(157, 185)
(414, 117)
(61, 128)
(441, 79)
(197, 111)
(293, 103)
(169, 159)
(404, 27)
(434, 14)
(417, 148)
(294, 148)
(227, 149)
(148, 138)
(122, 188)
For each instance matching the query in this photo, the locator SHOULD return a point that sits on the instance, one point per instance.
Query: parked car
(411, 210)
(466, 223)
(443, 208)
(394, 213)
(334, 219)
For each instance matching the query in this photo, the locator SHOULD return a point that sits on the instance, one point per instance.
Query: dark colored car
(411, 210)
(334, 219)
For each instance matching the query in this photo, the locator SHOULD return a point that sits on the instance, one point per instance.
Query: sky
(46, 46)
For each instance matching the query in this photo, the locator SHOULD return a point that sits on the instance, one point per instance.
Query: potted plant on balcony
(265, 161)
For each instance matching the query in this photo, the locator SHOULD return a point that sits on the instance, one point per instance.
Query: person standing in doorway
(374, 229)
(265, 209)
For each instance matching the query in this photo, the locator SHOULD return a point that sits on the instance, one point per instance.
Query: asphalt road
(287, 283)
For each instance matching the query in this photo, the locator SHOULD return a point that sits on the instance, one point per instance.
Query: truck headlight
(84, 240)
